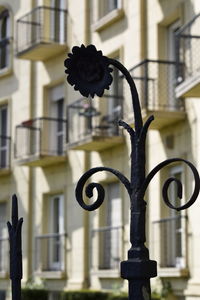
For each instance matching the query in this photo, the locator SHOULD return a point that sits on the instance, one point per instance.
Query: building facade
(50, 135)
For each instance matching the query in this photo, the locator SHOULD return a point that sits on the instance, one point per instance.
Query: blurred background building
(50, 135)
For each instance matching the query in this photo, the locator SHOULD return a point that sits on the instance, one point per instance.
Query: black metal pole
(14, 230)
(88, 70)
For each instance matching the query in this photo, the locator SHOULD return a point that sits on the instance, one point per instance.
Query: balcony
(50, 255)
(5, 143)
(107, 245)
(40, 141)
(169, 236)
(93, 124)
(41, 33)
(188, 47)
(4, 256)
(155, 81)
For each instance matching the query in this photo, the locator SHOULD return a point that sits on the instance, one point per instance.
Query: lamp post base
(138, 273)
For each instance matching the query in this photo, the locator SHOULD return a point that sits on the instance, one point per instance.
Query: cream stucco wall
(138, 32)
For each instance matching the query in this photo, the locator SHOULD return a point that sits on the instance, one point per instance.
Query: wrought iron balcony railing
(40, 141)
(50, 252)
(41, 33)
(188, 62)
(5, 143)
(107, 244)
(155, 81)
(93, 125)
(4, 255)
(170, 235)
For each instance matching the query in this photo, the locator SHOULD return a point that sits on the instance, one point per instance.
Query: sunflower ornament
(88, 71)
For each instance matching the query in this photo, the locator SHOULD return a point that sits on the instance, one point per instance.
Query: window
(50, 246)
(171, 56)
(111, 109)
(115, 91)
(3, 238)
(54, 295)
(58, 26)
(56, 228)
(4, 140)
(2, 295)
(56, 95)
(4, 39)
(172, 228)
(107, 6)
(3, 220)
(110, 229)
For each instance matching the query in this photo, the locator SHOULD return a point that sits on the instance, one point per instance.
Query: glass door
(3, 137)
(171, 56)
(58, 26)
(56, 228)
(175, 226)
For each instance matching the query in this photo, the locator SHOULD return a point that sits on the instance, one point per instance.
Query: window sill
(6, 72)
(106, 273)
(51, 274)
(173, 272)
(4, 275)
(5, 171)
(108, 19)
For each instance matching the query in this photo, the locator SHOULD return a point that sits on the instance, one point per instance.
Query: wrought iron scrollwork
(101, 193)
(99, 187)
(177, 181)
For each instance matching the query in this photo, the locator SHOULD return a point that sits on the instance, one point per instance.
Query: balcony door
(3, 235)
(113, 109)
(175, 230)
(57, 126)
(4, 153)
(58, 24)
(4, 42)
(110, 234)
(56, 229)
(171, 56)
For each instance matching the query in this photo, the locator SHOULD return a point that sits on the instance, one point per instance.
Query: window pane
(3, 137)
(3, 121)
(4, 47)
(2, 295)
(110, 233)
(172, 229)
(2, 218)
(107, 6)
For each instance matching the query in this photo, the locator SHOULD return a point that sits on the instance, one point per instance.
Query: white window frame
(180, 262)
(6, 146)
(3, 241)
(56, 94)
(102, 9)
(63, 6)
(171, 56)
(110, 223)
(56, 265)
(8, 34)
(3, 231)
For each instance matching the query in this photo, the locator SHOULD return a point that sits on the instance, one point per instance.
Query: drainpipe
(144, 32)
(30, 191)
(87, 166)
(144, 56)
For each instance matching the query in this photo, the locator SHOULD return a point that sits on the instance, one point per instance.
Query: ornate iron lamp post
(89, 72)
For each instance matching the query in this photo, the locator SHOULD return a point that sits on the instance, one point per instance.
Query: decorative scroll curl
(177, 181)
(100, 190)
